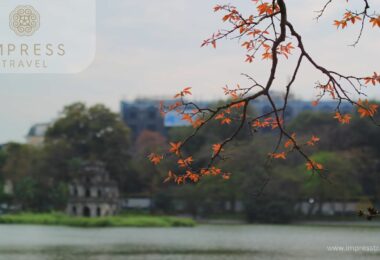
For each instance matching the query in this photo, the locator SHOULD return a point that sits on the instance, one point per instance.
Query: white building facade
(93, 193)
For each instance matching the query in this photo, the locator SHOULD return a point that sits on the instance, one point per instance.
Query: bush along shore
(59, 219)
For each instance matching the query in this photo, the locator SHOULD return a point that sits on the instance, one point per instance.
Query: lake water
(202, 242)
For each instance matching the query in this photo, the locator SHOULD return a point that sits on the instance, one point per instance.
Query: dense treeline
(268, 191)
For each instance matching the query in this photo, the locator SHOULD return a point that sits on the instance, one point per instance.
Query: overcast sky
(152, 48)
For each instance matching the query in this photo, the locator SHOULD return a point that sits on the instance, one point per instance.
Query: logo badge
(24, 20)
(30, 42)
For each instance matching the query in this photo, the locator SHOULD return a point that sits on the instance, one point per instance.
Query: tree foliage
(88, 133)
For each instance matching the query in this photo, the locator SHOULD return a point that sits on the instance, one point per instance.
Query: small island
(94, 202)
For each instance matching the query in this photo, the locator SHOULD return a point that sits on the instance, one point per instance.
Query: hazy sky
(152, 48)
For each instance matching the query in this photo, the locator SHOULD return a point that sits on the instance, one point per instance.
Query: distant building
(36, 135)
(329, 208)
(92, 192)
(144, 114)
(296, 107)
(140, 203)
(174, 119)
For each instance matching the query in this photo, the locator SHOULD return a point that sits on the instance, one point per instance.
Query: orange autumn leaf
(171, 176)
(343, 119)
(217, 8)
(213, 44)
(315, 103)
(234, 95)
(226, 121)
(267, 56)
(266, 8)
(249, 59)
(175, 147)
(180, 180)
(309, 166)
(205, 172)
(215, 171)
(226, 176)
(247, 44)
(217, 148)
(342, 23)
(238, 105)
(220, 116)
(198, 122)
(290, 142)
(263, 8)
(268, 122)
(313, 141)
(313, 166)
(365, 109)
(255, 32)
(286, 49)
(188, 118)
(194, 177)
(155, 158)
(278, 155)
(329, 88)
(184, 92)
(174, 106)
(372, 79)
(275, 124)
(375, 21)
(226, 17)
(186, 162)
(260, 124)
(348, 17)
(181, 163)
(187, 91)
(189, 160)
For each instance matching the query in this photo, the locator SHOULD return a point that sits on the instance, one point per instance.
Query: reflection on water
(202, 242)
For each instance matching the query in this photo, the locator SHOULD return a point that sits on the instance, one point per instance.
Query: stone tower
(92, 193)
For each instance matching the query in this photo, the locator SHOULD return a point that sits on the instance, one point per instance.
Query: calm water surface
(203, 242)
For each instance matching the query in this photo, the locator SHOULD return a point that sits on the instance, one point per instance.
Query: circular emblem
(24, 20)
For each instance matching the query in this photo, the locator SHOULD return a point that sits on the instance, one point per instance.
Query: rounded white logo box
(47, 36)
